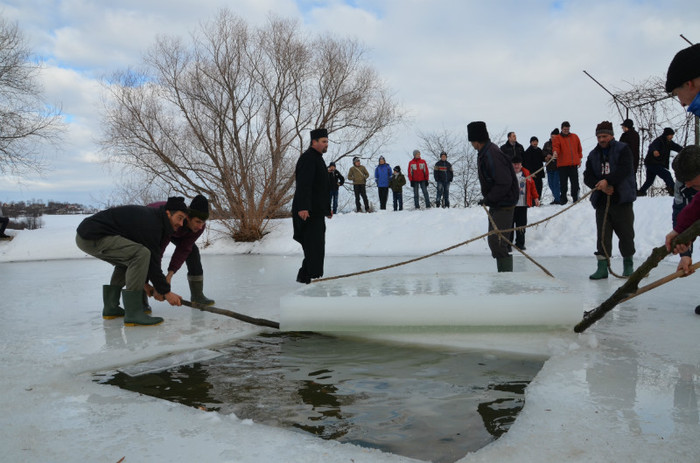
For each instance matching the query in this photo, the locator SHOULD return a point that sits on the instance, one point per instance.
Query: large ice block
(382, 301)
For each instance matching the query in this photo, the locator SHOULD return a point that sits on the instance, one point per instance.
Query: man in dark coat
(335, 181)
(631, 137)
(443, 175)
(658, 159)
(311, 205)
(533, 160)
(609, 173)
(130, 238)
(512, 148)
(500, 189)
(186, 250)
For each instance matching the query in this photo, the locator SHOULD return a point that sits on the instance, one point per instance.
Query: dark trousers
(443, 194)
(383, 196)
(519, 220)
(652, 172)
(620, 219)
(424, 187)
(566, 174)
(538, 183)
(398, 200)
(503, 217)
(3, 224)
(194, 262)
(334, 201)
(360, 191)
(311, 234)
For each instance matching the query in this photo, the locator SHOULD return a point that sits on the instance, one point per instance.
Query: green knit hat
(686, 165)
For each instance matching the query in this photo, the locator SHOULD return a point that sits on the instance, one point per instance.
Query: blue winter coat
(382, 174)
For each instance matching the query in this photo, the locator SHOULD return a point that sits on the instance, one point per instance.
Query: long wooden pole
(631, 286)
(232, 314)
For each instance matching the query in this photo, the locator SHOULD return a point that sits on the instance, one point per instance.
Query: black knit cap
(319, 133)
(686, 165)
(476, 131)
(668, 131)
(555, 132)
(199, 207)
(628, 123)
(517, 159)
(604, 127)
(685, 66)
(176, 203)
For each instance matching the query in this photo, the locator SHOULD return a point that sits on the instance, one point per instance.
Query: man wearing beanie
(657, 161)
(443, 175)
(567, 151)
(500, 189)
(186, 250)
(686, 166)
(609, 173)
(683, 78)
(310, 206)
(129, 238)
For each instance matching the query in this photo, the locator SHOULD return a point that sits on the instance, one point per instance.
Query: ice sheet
(433, 300)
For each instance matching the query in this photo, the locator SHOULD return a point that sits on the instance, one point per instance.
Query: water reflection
(428, 404)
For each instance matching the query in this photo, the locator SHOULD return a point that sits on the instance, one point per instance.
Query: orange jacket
(569, 151)
(530, 189)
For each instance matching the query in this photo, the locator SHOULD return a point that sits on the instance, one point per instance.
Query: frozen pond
(627, 387)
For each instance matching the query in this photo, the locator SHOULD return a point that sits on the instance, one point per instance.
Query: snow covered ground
(626, 390)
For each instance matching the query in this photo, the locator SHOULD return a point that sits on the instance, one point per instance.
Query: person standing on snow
(552, 172)
(533, 160)
(396, 183)
(527, 197)
(186, 250)
(500, 189)
(419, 177)
(609, 171)
(657, 161)
(358, 175)
(311, 206)
(335, 181)
(443, 175)
(382, 174)
(130, 238)
(566, 149)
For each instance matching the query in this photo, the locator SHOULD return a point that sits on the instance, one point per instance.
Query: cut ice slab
(438, 301)
(171, 361)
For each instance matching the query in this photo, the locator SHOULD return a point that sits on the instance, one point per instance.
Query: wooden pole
(631, 286)
(232, 314)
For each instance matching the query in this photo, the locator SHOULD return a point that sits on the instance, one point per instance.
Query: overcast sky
(517, 65)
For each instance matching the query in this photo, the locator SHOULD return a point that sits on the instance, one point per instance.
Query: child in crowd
(528, 196)
(396, 183)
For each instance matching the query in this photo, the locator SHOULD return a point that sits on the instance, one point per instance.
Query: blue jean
(334, 201)
(652, 172)
(443, 192)
(554, 185)
(423, 186)
(398, 200)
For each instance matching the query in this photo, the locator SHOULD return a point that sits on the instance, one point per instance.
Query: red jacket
(569, 151)
(418, 171)
(530, 189)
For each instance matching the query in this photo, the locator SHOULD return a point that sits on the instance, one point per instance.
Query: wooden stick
(661, 281)
(232, 314)
(631, 286)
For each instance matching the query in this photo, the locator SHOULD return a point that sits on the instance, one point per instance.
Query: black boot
(504, 264)
(110, 298)
(133, 306)
(197, 290)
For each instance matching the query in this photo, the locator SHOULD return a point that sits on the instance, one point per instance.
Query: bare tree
(26, 120)
(228, 114)
(652, 109)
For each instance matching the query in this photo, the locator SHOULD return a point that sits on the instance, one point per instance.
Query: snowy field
(625, 390)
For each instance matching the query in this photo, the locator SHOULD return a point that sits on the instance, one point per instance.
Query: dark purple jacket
(183, 239)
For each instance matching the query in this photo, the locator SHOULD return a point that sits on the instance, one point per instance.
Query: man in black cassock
(311, 205)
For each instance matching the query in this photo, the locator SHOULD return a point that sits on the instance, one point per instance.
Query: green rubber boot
(133, 306)
(505, 264)
(197, 290)
(627, 266)
(110, 297)
(146, 307)
(602, 271)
